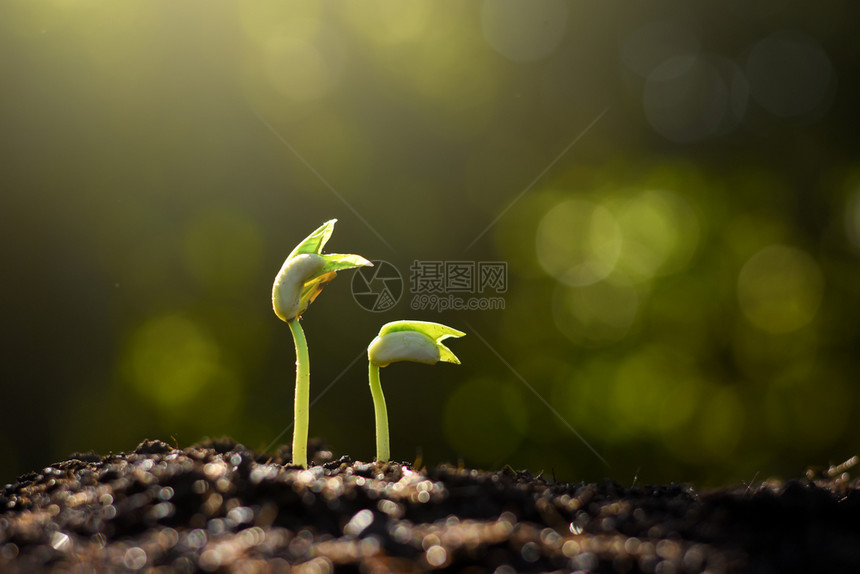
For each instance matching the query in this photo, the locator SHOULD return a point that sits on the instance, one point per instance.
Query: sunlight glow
(524, 31)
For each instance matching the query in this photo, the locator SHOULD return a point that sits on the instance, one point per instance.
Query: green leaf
(315, 242)
(446, 355)
(334, 262)
(306, 270)
(436, 331)
(340, 261)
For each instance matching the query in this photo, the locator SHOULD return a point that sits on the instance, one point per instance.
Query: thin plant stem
(303, 384)
(382, 445)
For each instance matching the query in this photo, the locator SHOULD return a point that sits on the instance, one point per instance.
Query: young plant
(298, 283)
(418, 341)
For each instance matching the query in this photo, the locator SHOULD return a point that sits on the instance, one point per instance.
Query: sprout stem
(382, 445)
(303, 383)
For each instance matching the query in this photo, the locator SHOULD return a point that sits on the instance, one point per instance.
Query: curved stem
(303, 385)
(382, 446)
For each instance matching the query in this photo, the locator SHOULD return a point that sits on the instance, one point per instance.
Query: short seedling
(418, 341)
(298, 283)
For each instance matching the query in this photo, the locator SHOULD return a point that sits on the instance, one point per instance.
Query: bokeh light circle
(649, 393)
(661, 233)
(578, 242)
(790, 74)
(780, 289)
(688, 98)
(172, 360)
(597, 314)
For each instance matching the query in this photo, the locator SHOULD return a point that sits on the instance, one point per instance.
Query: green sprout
(298, 283)
(418, 341)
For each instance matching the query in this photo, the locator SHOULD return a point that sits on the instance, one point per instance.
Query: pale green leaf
(436, 331)
(341, 261)
(300, 282)
(446, 355)
(315, 242)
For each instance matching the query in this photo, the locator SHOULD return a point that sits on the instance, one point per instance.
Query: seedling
(418, 341)
(298, 283)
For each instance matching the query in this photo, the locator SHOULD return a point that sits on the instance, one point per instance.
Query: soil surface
(219, 507)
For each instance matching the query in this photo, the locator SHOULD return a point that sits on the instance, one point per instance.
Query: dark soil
(220, 507)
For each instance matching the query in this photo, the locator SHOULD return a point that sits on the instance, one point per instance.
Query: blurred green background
(675, 190)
